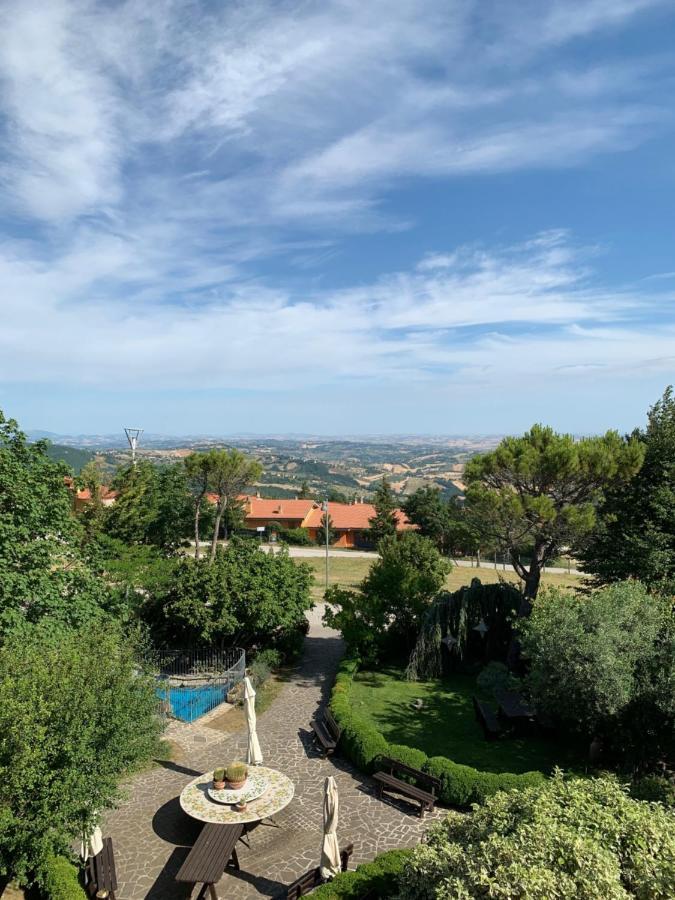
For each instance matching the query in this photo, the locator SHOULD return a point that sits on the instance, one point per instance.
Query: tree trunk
(197, 511)
(216, 528)
(532, 578)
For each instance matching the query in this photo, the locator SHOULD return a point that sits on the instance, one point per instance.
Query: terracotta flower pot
(235, 785)
(219, 785)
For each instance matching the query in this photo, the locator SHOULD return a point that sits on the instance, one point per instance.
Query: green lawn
(349, 571)
(446, 725)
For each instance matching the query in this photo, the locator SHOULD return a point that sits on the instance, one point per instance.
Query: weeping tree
(477, 615)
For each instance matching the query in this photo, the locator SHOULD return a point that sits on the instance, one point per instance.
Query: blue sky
(437, 216)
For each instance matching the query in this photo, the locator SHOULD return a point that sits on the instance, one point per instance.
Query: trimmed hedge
(60, 880)
(363, 744)
(375, 879)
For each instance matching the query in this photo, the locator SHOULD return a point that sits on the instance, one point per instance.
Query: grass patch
(446, 725)
(350, 571)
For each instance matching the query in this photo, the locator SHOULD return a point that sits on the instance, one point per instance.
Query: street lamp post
(324, 507)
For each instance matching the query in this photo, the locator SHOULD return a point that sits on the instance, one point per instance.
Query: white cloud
(99, 314)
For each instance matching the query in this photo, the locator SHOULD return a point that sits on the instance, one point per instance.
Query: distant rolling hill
(72, 456)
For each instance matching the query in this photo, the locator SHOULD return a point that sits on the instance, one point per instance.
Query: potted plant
(219, 779)
(235, 775)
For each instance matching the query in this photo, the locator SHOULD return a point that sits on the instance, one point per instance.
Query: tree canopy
(42, 569)
(75, 715)
(383, 523)
(604, 663)
(635, 537)
(539, 493)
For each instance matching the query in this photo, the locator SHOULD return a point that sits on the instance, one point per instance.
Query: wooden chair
(312, 879)
(389, 781)
(213, 851)
(100, 871)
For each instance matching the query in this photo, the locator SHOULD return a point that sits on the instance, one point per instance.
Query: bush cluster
(363, 744)
(374, 880)
(60, 880)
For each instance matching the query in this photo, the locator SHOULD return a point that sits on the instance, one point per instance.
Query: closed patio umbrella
(255, 756)
(330, 850)
(91, 844)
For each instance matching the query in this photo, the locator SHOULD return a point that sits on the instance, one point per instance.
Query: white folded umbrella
(330, 850)
(255, 756)
(91, 844)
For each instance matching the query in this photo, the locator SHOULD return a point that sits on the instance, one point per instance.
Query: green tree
(597, 660)
(231, 472)
(326, 524)
(198, 467)
(244, 597)
(635, 537)
(383, 523)
(387, 612)
(75, 716)
(443, 521)
(569, 838)
(135, 509)
(173, 510)
(305, 491)
(42, 569)
(93, 514)
(539, 493)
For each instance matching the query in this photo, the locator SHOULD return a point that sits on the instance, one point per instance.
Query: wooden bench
(425, 795)
(488, 719)
(326, 731)
(101, 874)
(212, 852)
(312, 879)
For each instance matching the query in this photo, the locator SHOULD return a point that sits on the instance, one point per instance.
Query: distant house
(350, 521)
(82, 496)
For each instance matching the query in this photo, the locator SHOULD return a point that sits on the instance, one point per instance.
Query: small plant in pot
(235, 775)
(219, 779)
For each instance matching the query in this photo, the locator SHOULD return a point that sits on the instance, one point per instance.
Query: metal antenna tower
(133, 435)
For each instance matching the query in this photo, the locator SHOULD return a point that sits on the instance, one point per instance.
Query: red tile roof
(353, 516)
(264, 508)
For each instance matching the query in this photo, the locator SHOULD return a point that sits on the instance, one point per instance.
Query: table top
(514, 705)
(196, 802)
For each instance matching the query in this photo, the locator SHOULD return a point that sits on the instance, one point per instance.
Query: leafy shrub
(654, 789)
(271, 658)
(461, 786)
(60, 880)
(495, 677)
(259, 672)
(375, 880)
(582, 838)
(298, 537)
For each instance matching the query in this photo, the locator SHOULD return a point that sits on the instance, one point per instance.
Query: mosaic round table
(196, 802)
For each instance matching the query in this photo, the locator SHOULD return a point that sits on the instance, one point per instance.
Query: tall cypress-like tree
(383, 523)
(635, 537)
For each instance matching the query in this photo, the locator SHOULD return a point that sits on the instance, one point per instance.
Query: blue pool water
(189, 703)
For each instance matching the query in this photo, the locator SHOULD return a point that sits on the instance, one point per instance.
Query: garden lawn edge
(364, 745)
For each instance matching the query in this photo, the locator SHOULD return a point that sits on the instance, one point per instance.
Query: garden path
(152, 836)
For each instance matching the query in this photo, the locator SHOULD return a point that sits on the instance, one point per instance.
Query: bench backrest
(425, 780)
(312, 879)
(332, 725)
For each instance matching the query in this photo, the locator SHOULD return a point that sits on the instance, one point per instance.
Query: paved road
(152, 835)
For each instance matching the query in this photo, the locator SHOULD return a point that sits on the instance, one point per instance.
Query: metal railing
(193, 682)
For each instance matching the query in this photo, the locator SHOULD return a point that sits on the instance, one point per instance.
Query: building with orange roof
(350, 523)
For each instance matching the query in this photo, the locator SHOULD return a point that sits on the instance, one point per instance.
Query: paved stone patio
(152, 835)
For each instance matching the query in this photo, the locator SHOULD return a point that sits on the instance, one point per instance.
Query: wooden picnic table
(196, 802)
(514, 707)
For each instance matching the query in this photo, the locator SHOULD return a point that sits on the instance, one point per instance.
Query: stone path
(152, 835)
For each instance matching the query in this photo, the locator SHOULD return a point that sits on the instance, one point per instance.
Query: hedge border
(61, 880)
(374, 880)
(363, 744)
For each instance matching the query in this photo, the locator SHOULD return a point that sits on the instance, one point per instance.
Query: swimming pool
(190, 703)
